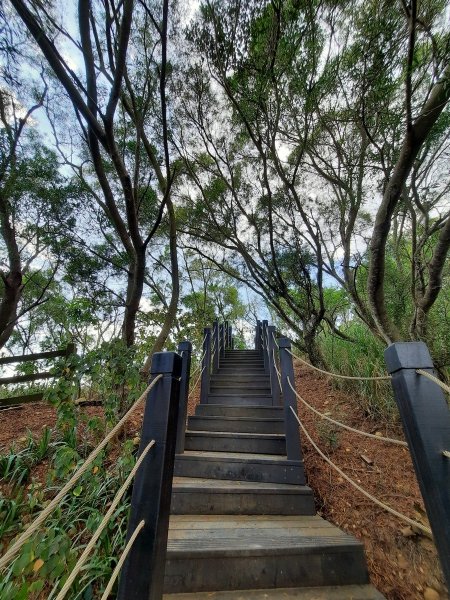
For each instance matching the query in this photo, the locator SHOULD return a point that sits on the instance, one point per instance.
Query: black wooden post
(293, 447)
(206, 366)
(230, 337)
(272, 349)
(258, 345)
(222, 339)
(426, 423)
(143, 571)
(185, 351)
(226, 331)
(265, 324)
(216, 342)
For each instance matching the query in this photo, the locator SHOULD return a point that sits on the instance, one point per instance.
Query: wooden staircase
(243, 522)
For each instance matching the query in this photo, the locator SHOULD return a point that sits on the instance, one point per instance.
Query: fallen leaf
(38, 564)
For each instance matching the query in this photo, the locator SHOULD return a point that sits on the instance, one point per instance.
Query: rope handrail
(34, 526)
(117, 498)
(276, 369)
(343, 425)
(338, 375)
(121, 560)
(433, 378)
(365, 493)
(196, 383)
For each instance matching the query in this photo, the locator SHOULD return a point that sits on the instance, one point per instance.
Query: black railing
(423, 410)
(165, 416)
(426, 423)
(424, 414)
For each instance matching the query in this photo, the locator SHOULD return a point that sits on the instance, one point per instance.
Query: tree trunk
(415, 136)
(173, 306)
(13, 279)
(135, 286)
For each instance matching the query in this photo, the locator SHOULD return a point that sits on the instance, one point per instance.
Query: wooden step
(236, 390)
(225, 410)
(241, 367)
(249, 382)
(239, 466)
(192, 495)
(344, 592)
(225, 441)
(244, 400)
(236, 424)
(239, 552)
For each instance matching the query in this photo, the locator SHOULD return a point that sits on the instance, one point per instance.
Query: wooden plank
(27, 378)
(7, 360)
(25, 399)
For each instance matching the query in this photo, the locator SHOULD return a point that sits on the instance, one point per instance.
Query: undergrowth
(362, 357)
(33, 474)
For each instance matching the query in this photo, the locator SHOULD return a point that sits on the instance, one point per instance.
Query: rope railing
(433, 378)
(343, 425)
(364, 492)
(34, 526)
(191, 391)
(121, 560)
(276, 369)
(104, 523)
(338, 375)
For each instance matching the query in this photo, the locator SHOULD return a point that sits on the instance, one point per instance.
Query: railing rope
(143, 570)
(365, 493)
(120, 562)
(338, 375)
(435, 380)
(380, 438)
(17, 545)
(104, 522)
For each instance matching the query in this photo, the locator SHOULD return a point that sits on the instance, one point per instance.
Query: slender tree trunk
(12, 280)
(173, 305)
(135, 286)
(415, 136)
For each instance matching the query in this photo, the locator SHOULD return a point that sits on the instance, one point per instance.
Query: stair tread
(254, 535)
(342, 592)
(236, 435)
(225, 485)
(233, 456)
(213, 418)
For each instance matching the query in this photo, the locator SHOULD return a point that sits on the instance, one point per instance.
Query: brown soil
(402, 565)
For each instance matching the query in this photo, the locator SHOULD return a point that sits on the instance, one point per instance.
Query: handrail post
(222, 339)
(216, 338)
(293, 446)
(206, 366)
(274, 383)
(230, 336)
(185, 351)
(258, 337)
(426, 423)
(225, 335)
(265, 324)
(143, 571)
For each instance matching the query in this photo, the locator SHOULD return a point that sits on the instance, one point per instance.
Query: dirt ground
(403, 565)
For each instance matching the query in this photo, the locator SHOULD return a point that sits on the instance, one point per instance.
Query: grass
(45, 561)
(362, 357)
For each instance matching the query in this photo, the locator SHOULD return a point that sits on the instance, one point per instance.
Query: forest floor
(403, 565)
